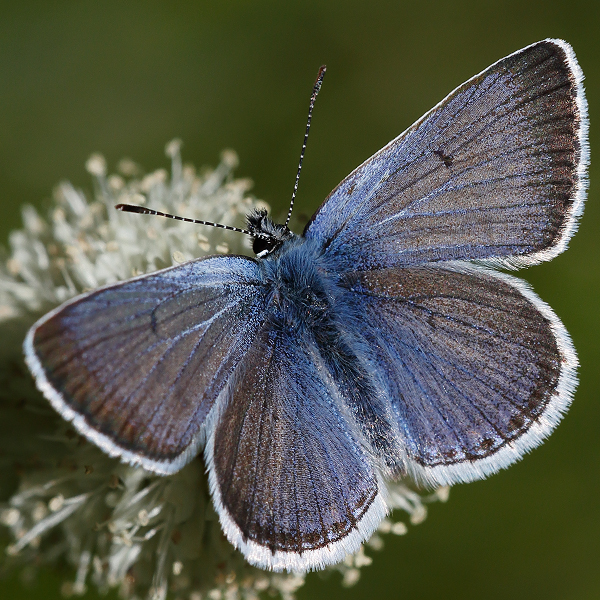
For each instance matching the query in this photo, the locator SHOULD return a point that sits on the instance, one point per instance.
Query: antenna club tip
(319, 80)
(132, 208)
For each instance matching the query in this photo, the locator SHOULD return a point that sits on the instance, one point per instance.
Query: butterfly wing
(293, 488)
(494, 172)
(478, 368)
(137, 366)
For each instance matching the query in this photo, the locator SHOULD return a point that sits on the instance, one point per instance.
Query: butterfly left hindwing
(293, 486)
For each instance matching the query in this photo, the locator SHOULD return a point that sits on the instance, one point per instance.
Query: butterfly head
(268, 236)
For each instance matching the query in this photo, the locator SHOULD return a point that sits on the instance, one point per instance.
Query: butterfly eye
(262, 246)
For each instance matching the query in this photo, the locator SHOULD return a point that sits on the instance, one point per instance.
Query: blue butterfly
(379, 344)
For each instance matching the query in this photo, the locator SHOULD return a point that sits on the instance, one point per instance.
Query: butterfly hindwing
(293, 487)
(494, 172)
(137, 366)
(479, 369)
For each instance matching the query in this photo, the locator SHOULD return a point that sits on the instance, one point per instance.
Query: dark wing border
(571, 223)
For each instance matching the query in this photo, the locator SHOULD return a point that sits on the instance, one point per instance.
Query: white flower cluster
(120, 526)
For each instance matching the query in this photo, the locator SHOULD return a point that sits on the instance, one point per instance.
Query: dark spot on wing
(445, 158)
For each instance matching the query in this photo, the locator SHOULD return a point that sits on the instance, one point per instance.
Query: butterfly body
(379, 344)
(306, 301)
(301, 291)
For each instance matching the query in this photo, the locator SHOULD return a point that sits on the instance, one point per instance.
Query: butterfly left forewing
(137, 366)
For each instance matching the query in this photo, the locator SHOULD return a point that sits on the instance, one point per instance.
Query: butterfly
(380, 344)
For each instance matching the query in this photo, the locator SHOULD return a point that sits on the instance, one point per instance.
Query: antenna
(313, 97)
(142, 210)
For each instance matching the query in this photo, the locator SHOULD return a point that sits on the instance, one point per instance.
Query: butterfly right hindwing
(478, 368)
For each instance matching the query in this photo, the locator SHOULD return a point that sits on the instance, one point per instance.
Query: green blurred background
(123, 78)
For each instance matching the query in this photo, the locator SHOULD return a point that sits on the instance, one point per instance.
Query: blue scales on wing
(478, 368)
(292, 484)
(494, 172)
(151, 356)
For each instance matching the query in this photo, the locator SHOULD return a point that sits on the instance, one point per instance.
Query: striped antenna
(313, 97)
(142, 210)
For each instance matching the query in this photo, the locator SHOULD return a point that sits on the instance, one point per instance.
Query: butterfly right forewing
(496, 171)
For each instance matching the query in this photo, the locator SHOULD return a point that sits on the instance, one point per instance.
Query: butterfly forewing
(137, 366)
(493, 172)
